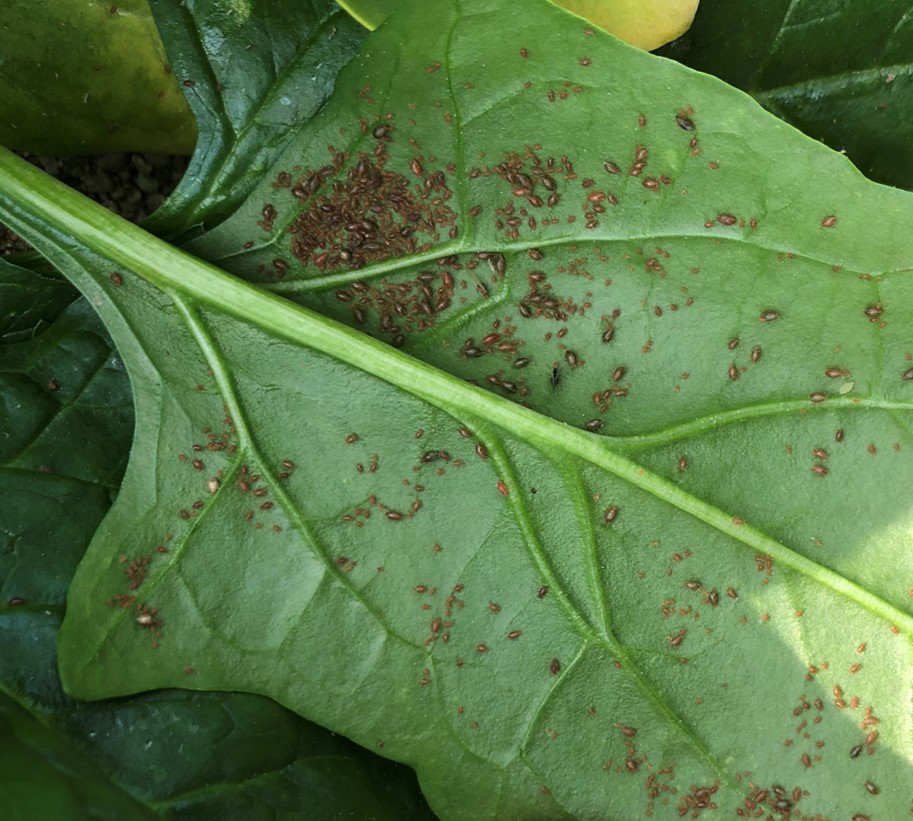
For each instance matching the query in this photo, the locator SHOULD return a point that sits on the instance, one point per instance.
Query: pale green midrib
(56, 205)
(196, 325)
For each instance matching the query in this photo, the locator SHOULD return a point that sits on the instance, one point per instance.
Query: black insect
(555, 378)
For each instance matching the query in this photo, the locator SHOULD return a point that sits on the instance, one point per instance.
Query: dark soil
(131, 185)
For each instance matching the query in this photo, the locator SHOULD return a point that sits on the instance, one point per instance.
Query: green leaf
(692, 606)
(66, 425)
(45, 775)
(29, 301)
(252, 71)
(840, 72)
(84, 78)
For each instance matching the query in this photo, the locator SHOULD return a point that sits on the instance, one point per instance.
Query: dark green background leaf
(840, 72)
(29, 301)
(251, 72)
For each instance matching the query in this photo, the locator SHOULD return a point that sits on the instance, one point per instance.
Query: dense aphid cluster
(369, 213)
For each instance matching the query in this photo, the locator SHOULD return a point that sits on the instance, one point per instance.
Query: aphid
(683, 463)
(429, 456)
(554, 666)
(555, 377)
(820, 470)
(481, 648)
(543, 592)
(352, 438)
(465, 433)
(817, 397)
(838, 435)
(619, 373)
(907, 375)
(571, 358)
(730, 591)
(726, 219)
(769, 316)
(610, 515)
(733, 373)
(502, 488)
(416, 165)
(473, 353)
(694, 584)
(117, 279)
(611, 167)
(145, 619)
(18, 601)
(481, 452)
(593, 425)
(873, 311)
(871, 788)
(713, 598)
(381, 131)
(631, 764)
(820, 453)
(854, 753)
(513, 634)
(859, 817)
(733, 343)
(394, 515)
(678, 638)
(522, 362)
(829, 221)
(685, 123)
(609, 333)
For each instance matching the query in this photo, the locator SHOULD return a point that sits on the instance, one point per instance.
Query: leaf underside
(660, 567)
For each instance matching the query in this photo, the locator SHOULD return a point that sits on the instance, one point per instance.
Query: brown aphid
(18, 601)
(619, 373)
(712, 598)
(755, 354)
(352, 438)
(481, 451)
(683, 463)
(733, 343)
(678, 638)
(513, 634)
(817, 397)
(859, 817)
(593, 425)
(610, 515)
(769, 316)
(694, 584)
(733, 373)
(608, 334)
(631, 764)
(481, 648)
(416, 166)
(820, 470)
(730, 591)
(554, 666)
(820, 453)
(502, 488)
(829, 221)
(839, 435)
(871, 789)
(571, 358)
(465, 433)
(522, 362)
(726, 219)
(611, 167)
(874, 311)
(117, 279)
(393, 515)
(907, 375)
(542, 592)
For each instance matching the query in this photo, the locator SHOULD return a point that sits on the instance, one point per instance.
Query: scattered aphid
(117, 279)
(733, 373)
(683, 463)
(502, 488)
(833, 373)
(394, 515)
(726, 219)
(571, 358)
(829, 221)
(555, 377)
(678, 638)
(144, 620)
(612, 168)
(755, 354)
(839, 435)
(684, 123)
(859, 817)
(713, 598)
(543, 592)
(820, 453)
(873, 311)
(513, 634)
(820, 470)
(730, 591)
(907, 375)
(631, 764)
(522, 362)
(610, 515)
(465, 433)
(554, 666)
(608, 334)
(619, 373)
(854, 753)
(769, 316)
(694, 584)
(817, 397)
(481, 452)
(871, 788)
(733, 343)
(593, 425)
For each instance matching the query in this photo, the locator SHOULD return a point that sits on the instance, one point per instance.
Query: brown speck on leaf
(829, 221)
(554, 666)
(769, 316)
(817, 397)
(907, 375)
(502, 488)
(610, 515)
(117, 279)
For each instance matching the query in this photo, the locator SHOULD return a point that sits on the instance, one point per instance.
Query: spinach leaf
(633, 574)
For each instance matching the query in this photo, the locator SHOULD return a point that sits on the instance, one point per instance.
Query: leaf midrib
(31, 199)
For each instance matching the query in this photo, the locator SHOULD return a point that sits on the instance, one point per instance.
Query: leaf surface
(66, 421)
(689, 605)
(250, 72)
(840, 72)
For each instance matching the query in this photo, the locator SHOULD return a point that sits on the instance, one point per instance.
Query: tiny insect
(543, 592)
(854, 753)
(610, 515)
(593, 425)
(769, 316)
(609, 333)
(817, 397)
(755, 354)
(555, 377)
(871, 788)
(694, 584)
(554, 666)
(619, 373)
(571, 358)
